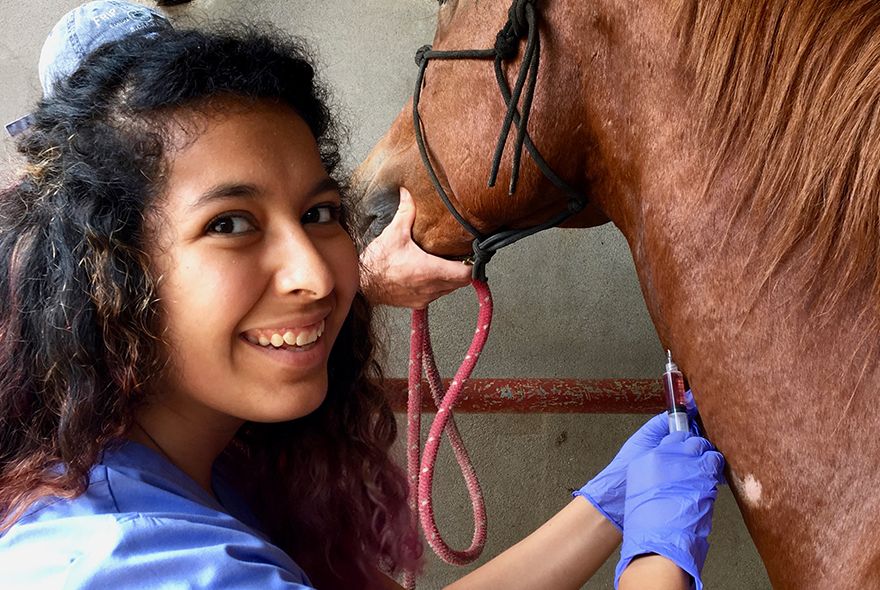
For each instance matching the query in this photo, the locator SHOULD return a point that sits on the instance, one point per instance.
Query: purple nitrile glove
(670, 494)
(607, 491)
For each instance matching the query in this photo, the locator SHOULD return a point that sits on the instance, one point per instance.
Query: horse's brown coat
(735, 145)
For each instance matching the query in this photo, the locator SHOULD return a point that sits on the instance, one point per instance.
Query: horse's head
(462, 113)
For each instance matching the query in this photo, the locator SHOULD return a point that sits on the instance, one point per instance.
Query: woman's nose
(303, 268)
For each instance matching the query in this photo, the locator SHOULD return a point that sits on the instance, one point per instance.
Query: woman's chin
(282, 406)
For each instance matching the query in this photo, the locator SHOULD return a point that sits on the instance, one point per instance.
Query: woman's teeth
(300, 337)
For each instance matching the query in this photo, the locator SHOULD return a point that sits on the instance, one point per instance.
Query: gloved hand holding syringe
(660, 488)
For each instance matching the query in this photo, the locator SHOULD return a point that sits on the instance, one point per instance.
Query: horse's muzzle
(374, 212)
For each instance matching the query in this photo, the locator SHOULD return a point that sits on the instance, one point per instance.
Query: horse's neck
(790, 404)
(788, 397)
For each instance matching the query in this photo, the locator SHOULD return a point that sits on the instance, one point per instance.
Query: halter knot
(420, 54)
(576, 204)
(506, 45)
(481, 259)
(517, 17)
(516, 28)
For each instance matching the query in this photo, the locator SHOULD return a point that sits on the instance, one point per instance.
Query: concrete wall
(567, 302)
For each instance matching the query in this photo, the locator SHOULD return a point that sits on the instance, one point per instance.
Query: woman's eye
(322, 214)
(230, 225)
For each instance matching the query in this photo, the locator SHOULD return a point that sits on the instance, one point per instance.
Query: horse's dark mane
(789, 93)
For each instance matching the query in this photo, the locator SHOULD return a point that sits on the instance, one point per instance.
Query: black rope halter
(521, 22)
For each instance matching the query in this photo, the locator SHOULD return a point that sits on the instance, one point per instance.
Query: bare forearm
(653, 572)
(563, 553)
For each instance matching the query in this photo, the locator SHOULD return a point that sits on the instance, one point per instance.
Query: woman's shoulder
(140, 524)
(142, 551)
(130, 480)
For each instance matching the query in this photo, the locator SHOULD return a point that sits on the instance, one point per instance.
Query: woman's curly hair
(80, 322)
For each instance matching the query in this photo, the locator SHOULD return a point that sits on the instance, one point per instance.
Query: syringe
(676, 405)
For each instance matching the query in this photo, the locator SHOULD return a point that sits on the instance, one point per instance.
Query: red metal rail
(564, 396)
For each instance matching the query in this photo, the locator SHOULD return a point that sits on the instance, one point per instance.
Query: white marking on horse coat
(751, 490)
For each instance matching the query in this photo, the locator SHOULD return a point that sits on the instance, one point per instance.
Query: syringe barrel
(673, 387)
(676, 404)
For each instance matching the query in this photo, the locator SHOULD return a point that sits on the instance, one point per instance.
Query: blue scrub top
(144, 524)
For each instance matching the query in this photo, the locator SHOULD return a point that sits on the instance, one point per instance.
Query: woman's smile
(281, 337)
(300, 348)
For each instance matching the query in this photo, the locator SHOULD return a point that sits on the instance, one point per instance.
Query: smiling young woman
(179, 312)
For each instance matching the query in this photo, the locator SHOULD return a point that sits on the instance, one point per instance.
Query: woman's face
(256, 273)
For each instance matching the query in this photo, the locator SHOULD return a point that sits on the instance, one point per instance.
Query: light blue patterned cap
(83, 30)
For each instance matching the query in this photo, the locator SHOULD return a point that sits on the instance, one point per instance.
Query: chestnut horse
(736, 145)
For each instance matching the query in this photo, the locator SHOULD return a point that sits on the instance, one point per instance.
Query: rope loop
(421, 465)
(420, 54)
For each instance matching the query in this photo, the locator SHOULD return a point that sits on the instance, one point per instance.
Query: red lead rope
(421, 472)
